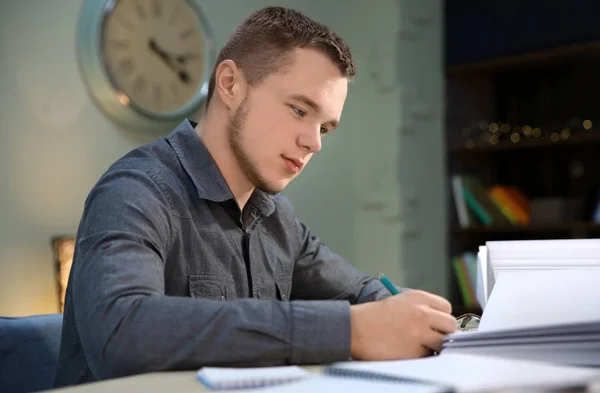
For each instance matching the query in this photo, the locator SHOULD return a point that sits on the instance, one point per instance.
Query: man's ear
(228, 83)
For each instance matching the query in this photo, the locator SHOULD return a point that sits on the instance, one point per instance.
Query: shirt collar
(204, 172)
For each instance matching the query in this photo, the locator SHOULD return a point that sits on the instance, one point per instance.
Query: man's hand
(409, 325)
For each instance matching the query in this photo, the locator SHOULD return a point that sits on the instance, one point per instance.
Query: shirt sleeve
(126, 323)
(320, 273)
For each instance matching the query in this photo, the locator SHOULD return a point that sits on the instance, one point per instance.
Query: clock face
(154, 53)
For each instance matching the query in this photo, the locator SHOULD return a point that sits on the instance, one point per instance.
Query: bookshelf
(564, 228)
(579, 139)
(528, 121)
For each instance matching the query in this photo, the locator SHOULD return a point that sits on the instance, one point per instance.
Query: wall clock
(145, 63)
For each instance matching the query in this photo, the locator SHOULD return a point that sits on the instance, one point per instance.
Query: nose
(310, 140)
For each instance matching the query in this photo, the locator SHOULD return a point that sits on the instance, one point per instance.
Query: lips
(294, 163)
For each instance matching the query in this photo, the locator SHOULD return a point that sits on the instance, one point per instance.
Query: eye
(324, 131)
(299, 111)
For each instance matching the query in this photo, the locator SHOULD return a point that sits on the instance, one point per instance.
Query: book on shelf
(465, 269)
(498, 205)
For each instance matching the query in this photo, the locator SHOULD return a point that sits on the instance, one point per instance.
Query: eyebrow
(316, 107)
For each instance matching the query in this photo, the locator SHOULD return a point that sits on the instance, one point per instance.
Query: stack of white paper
(498, 257)
(485, 277)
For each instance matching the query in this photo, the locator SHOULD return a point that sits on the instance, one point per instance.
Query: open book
(548, 315)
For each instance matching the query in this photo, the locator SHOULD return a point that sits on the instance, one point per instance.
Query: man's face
(279, 125)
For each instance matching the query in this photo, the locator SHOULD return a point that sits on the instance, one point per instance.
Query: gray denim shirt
(169, 274)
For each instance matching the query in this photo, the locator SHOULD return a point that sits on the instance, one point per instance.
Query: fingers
(433, 340)
(442, 322)
(434, 301)
(439, 303)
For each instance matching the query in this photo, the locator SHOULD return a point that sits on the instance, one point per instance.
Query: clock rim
(101, 86)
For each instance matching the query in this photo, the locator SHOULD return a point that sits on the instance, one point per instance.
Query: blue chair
(29, 352)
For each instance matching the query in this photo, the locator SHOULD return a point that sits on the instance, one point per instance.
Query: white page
(570, 249)
(533, 298)
(585, 354)
(482, 273)
(330, 384)
(491, 275)
(535, 263)
(473, 373)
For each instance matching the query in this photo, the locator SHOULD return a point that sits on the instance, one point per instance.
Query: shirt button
(222, 297)
(255, 294)
(283, 297)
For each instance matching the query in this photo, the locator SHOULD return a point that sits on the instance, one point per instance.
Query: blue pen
(388, 284)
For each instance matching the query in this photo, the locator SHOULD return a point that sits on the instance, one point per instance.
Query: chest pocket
(211, 287)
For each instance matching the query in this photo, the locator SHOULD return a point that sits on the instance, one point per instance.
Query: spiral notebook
(221, 378)
(295, 380)
(469, 373)
(329, 384)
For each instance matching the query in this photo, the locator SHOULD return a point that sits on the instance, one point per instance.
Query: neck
(214, 133)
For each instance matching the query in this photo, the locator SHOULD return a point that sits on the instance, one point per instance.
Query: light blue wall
(54, 144)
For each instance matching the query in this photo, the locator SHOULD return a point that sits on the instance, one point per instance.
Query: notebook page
(329, 384)
(472, 373)
(230, 378)
(534, 298)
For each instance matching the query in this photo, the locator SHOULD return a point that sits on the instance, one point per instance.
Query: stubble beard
(247, 165)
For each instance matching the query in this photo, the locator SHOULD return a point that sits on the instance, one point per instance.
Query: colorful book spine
(513, 201)
(477, 208)
(504, 209)
(466, 287)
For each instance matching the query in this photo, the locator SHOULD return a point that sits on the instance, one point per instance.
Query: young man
(185, 255)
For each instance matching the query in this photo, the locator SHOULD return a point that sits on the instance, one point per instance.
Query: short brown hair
(260, 44)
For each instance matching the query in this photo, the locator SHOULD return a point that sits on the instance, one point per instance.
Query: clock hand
(162, 54)
(181, 73)
(184, 77)
(182, 59)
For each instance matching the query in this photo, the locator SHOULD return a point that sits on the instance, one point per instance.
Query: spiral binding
(260, 383)
(374, 376)
(247, 384)
(346, 373)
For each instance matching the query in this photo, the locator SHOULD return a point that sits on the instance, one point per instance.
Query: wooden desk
(165, 382)
(181, 382)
